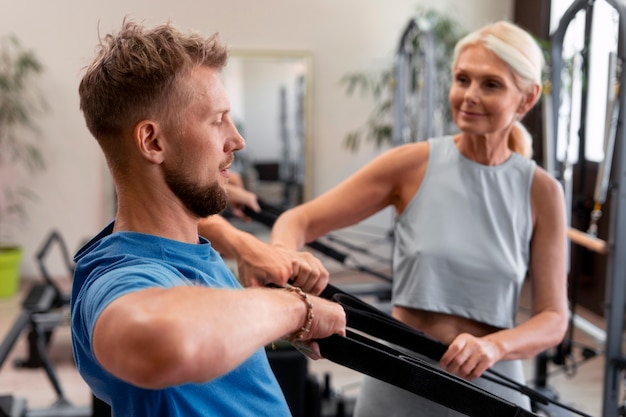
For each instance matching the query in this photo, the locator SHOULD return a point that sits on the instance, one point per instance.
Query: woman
(475, 215)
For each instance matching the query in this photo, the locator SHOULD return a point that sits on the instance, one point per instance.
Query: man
(160, 326)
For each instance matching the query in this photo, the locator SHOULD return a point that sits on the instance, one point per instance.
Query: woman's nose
(472, 93)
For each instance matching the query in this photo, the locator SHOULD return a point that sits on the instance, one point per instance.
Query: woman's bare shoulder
(544, 183)
(410, 153)
(547, 197)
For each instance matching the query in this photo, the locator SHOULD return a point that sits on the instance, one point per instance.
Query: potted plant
(20, 104)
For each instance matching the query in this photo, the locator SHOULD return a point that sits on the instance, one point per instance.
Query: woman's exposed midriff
(440, 326)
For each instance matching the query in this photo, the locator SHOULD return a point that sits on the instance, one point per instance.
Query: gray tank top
(462, 245)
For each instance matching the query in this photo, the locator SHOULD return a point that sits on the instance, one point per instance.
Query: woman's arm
(259, 263)
(390, 179)
(548, 272)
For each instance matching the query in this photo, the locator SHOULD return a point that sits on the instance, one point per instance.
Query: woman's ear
(148, 140)
(529, 99)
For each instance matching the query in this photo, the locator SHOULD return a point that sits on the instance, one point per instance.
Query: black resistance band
(368, 320)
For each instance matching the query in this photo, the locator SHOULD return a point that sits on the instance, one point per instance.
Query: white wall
(342, 35)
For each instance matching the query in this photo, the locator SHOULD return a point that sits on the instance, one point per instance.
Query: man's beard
(202, 202)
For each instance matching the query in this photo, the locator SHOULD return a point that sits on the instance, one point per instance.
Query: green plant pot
(9, 270)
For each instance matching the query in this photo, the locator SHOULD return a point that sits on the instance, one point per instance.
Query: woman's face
(484, 97)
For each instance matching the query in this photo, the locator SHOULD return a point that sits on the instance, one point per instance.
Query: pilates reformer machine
(417, 101)
(569, 87)
(43, 310)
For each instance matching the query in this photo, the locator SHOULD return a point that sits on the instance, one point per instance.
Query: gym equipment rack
(615, 245)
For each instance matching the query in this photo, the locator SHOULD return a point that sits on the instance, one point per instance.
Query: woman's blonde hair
(521, 53)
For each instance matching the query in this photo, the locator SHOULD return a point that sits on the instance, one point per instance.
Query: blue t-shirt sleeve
(100, 291)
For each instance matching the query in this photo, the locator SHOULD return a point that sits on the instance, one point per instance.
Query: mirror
(271, 106)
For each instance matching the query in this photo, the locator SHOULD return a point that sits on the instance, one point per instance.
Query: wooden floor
(580, 388)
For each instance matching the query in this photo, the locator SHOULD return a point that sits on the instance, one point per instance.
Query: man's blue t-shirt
(112, 265)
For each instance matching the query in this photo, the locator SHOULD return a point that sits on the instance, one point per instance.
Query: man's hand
(260, 263)
(328, 318)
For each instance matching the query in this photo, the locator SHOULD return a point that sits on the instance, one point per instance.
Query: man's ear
(147, 135)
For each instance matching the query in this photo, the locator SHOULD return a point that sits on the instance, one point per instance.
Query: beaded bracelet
(299, 334)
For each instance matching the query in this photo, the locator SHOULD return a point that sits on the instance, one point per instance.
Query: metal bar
(616, 265)
(587, 241)
(612, 106)
(567, 176)
(402, 71)
(426, 93)
(549, 140)
(597, 333)
(22, 322)
(610, 127)
(556, 64)
(616, 270)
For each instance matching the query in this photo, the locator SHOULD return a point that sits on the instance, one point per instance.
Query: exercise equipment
(416, 109)
(610, 180)
(410, 372)
(42, 311)
(302, 391)
(610, 129)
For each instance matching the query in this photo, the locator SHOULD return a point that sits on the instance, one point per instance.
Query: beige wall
(342, 36)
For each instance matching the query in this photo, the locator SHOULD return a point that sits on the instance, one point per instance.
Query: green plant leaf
(21, 104)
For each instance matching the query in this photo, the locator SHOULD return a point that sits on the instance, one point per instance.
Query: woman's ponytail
(520, 140)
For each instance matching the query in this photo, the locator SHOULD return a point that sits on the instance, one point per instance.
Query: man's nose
(235, 142)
